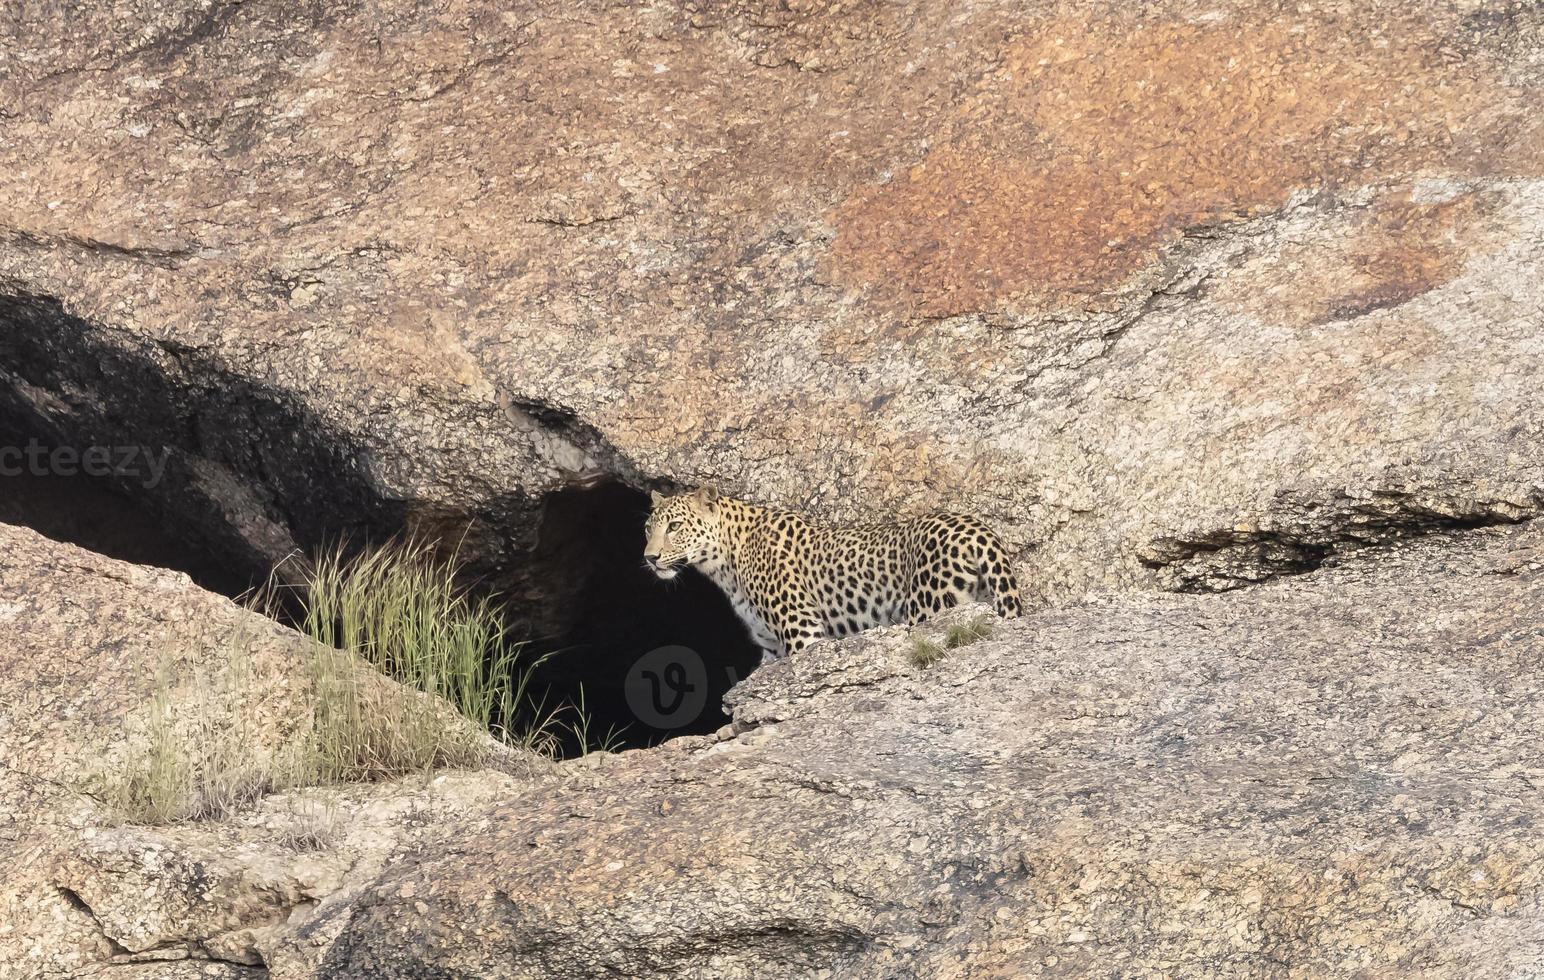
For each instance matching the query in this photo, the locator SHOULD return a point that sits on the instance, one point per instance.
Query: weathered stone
(86, 640)
(1328, 775)
(1122, 281)
(1187, 296)
(1331, 775)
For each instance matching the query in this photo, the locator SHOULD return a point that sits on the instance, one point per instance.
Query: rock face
(86, 639)
(1333, 775)
(1190, 296)
(1330, 775)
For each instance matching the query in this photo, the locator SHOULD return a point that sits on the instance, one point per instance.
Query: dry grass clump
(460, 700)
(191, 765)
(964, 634)
(925, 652)
(312, 827)
(401, 610)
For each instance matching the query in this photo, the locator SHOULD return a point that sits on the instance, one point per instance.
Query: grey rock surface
(1333, 774)
(1182, 296)
(86, 640)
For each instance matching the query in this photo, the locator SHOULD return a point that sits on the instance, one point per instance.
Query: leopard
(792, 581)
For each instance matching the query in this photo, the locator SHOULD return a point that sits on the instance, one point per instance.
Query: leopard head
(682, 530)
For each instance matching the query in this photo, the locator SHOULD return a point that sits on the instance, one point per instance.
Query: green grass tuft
(401, 610)
(461, 701)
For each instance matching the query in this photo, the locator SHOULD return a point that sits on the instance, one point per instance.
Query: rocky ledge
(1331, 775)
(1183, 296)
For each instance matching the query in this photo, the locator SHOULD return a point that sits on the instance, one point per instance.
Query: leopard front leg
(757, 624)
(797, 630)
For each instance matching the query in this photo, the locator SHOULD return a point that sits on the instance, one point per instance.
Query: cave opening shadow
(650, 659)
(97, 512)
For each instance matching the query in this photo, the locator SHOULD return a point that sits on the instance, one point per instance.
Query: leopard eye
(672, 527)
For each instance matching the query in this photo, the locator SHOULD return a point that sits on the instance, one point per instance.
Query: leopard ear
(656, 498)
(707, 495)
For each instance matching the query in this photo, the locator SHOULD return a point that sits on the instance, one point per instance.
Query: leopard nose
(651, 560)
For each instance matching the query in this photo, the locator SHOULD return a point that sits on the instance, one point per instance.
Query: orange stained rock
(1096, 144)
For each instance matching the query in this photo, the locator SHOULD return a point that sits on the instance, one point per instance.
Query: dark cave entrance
(650, 659)
(50, 485)
(247, 476)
